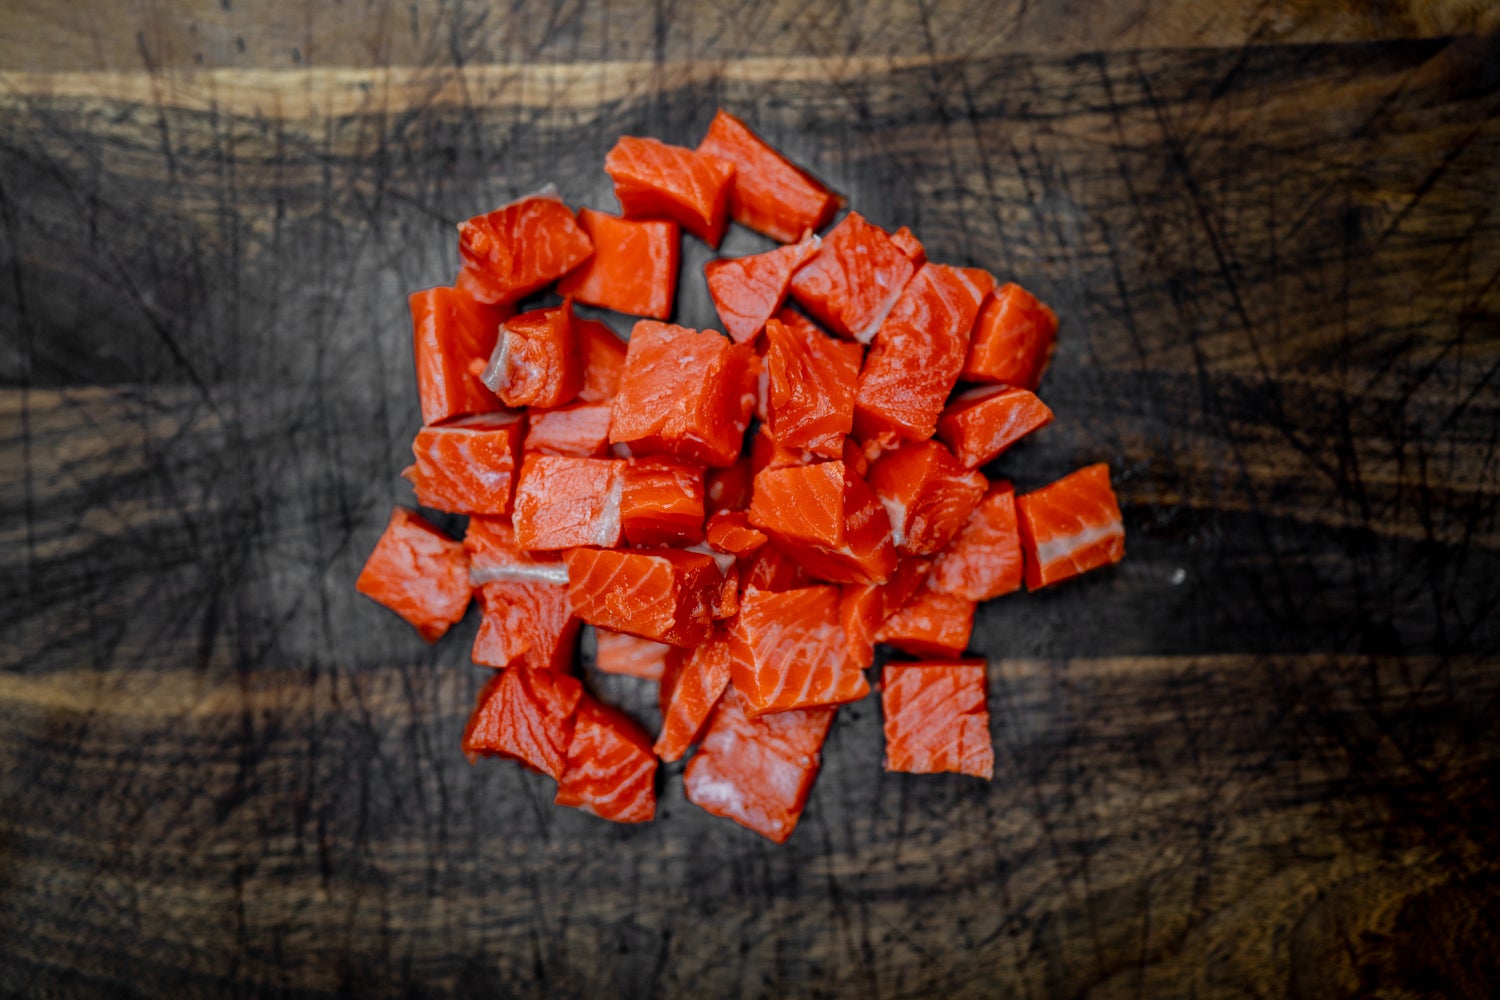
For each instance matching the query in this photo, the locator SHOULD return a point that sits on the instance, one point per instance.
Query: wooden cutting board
(1260, 757)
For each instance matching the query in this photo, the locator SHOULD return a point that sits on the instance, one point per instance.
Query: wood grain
(1259, 758)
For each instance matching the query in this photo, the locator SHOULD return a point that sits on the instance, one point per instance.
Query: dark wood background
(1261, 757)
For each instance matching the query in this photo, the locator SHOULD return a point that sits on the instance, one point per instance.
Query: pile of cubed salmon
(611, 483)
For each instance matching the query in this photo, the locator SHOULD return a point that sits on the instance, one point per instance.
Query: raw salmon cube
(828, 520)
(633, 269)
(629, 656)
(536, 361)
(580, 429)
(772, 569)
(728, 488)
(525, 624)
(419, 573)
(906, 241)
(663, 594)
(1012, 340)
(791, 652)
(812, 377)
(563, 502)
(1070, 527)
(937, 718)
(731, 531)
(662, 503)
(603, 355)
(655, 180)
(758, 772)
(770, 194)
(449, 331)
(928, 495)
(526, 715)
(518, 248)
(494, 554)
(747, 291)
(469, 465)
(981, 423)
(684, 394)
(918, 353)
(690, 690)
(854, 280)
(984, 561)
(930, 624)
(864, 608)
(610, 769)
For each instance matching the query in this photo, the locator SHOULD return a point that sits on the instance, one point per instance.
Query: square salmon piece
(662, 503)
(982, 423)
(827, 519)
(580, 429)
(810, 393)
(536, 361)
(634, 267)
(419, 573)
(610, 770)
(747, 291)
(468, 466)
(1070, 527)
(854, 279)
(526, 715)
(525, 624)
(1012, 339)
(518, 248)
(563, 501)
(937, 718)
(770, 194)
(656, 181)
(791, 652)
(984, 561)
(930, 624)
(666, 595)
(927, 494)
(450, 331)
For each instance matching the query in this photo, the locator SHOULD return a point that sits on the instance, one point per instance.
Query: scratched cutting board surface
(1258, 758)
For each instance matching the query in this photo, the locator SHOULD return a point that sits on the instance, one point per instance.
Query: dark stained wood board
(1259, 758)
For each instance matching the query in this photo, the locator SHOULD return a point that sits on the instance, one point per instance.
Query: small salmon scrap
(580, 429)
(930, 624)
(1070, 527)
(828, 520)
(864, 608)
(494, 554)
(984, 561)
(655, 180)
(1012, 340)
(667, 595)
(525, 624)
(563, 501)
(468, 465)
(791, 652)
(690, 689)
(907, 242)
(515, 250)
(449, 331)
(937, 718)
(633, 269)
(610, 769)
(629, 656)
(662, 503)
(928, 495)
(683, 393)
(810, 404)
(536, 361)
(918, 353)
(758, 772)
(982, 423)
(526, 715)
(769, 568)
(603, 360)
(728, 488)
(731, 531)
(419, 573)
(770, 194)
(747, 291)
(854, 279)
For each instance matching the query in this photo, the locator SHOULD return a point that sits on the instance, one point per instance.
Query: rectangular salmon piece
(610, 770)
(467, 466)
(918, 353)
(449, 332)
(518, 248)
(563, 502)
(1070, 527)
(984, 561)
(494, 554)
(536, 361)
(603, 354)
(1012, 339)
(684, 394)
(662, 502)
(526, 715)
(419, 573)
(747, 291)
(629, 656)
(864, 608)
(656, 181)
(731, 531)
(791, 652)
(826, 519)
(810, 399)
(937, 718)
(758, 772)
(690, 689)
(982, 423)
(667, 595)
(770, 194)
(580, 429)
(927, 494)
(633, 269)
(930, 624)
(525, 624)
(854, 279)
